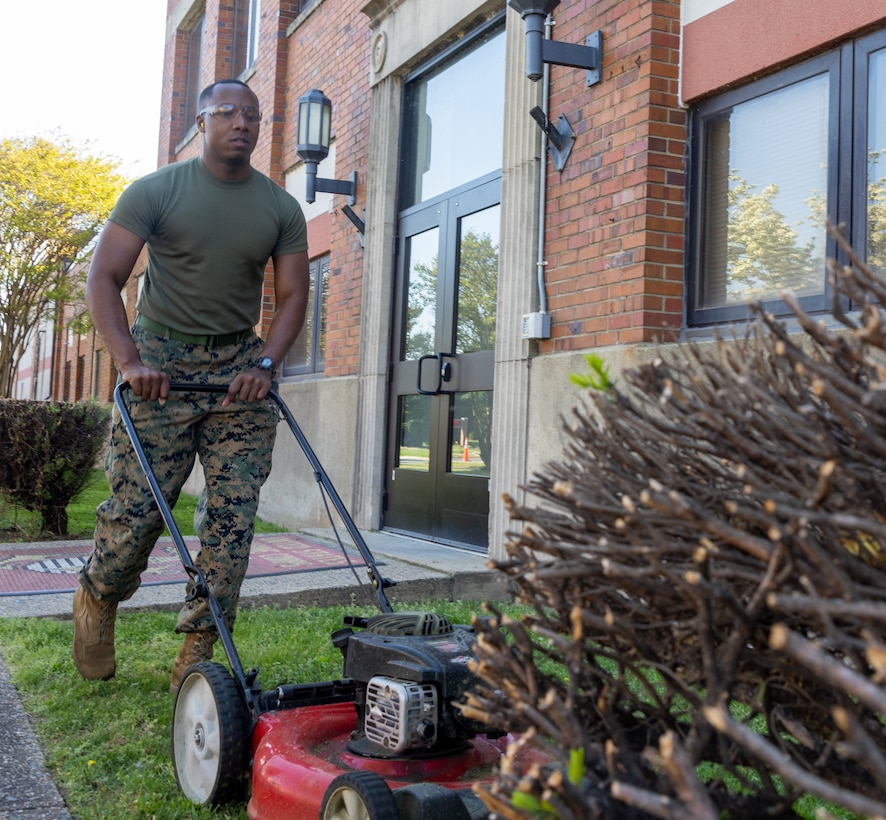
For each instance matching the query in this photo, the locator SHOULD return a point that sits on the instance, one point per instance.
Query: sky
(90, 70)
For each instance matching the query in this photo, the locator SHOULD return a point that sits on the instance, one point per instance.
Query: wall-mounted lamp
(312, 145)
(540, 50)
(561, 137)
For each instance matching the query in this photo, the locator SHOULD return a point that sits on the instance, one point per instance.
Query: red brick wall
(614, 220)
(172, 91)
(269, 83)
(173, 97)
(330, 51)
(224, 44)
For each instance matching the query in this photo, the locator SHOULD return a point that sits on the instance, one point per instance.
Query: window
(193, 71)
(870, 233)
(97, 361)
(66, 394)
(301, 5)
(81, 370)
(770, 161)
(247, 18)
(306, 355)
(442, 153)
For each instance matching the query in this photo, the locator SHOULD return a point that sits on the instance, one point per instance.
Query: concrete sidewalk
(422, 571)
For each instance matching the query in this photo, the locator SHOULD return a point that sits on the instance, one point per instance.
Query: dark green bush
(46, 453)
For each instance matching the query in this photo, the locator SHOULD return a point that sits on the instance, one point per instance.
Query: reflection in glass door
(443, 337)
(442, 381)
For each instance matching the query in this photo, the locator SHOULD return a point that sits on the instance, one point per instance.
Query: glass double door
(442, 371)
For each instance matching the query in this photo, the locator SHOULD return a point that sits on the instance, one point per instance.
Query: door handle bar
(444, 373)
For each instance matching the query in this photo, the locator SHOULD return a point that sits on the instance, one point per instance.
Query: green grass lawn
(107, 743)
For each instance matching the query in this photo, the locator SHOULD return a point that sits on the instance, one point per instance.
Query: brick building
(435, 370)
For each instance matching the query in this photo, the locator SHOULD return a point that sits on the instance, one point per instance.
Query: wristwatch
(266, 363)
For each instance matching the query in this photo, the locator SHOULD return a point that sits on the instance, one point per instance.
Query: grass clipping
(707, 571)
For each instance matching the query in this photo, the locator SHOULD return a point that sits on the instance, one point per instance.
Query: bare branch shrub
(706, 570)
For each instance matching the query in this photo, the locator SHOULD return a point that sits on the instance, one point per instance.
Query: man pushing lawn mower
(210, 225)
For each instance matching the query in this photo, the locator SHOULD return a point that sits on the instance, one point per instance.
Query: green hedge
(46, 453)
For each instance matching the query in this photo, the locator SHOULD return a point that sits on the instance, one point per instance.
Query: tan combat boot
(94, 635)
(196, 647)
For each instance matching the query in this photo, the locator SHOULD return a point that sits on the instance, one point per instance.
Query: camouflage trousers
(234, 445)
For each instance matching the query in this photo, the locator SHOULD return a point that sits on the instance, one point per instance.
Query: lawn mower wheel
(209, 736)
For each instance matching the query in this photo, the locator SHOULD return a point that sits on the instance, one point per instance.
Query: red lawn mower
(387, 741)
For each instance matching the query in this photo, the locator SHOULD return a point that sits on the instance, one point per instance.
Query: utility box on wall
(537, 325)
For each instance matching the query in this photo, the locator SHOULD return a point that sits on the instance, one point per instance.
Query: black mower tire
(209, 736)
(359, 796)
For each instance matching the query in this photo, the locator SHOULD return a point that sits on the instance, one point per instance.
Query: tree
(764, 253)
(477, 295)
(876, 233)
(53, 201)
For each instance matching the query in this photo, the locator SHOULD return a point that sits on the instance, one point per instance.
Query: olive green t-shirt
(208, 243)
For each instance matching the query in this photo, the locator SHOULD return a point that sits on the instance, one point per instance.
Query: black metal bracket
(358, 223)
(561, 137)
(339, 186)
(588, 56)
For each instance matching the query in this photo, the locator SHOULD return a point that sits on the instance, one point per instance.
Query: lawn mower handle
(200, 587)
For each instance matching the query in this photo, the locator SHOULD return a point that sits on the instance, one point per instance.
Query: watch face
(265, 363)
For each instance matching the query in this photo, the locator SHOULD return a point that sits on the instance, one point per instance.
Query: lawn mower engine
(410, 669)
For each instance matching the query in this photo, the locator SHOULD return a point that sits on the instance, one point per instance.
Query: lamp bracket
(358, 223)
(339, 186)
(587, 56)
(561, 136)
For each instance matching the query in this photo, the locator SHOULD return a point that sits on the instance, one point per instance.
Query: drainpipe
(542, 179)
(53, 363)
(35, 363)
